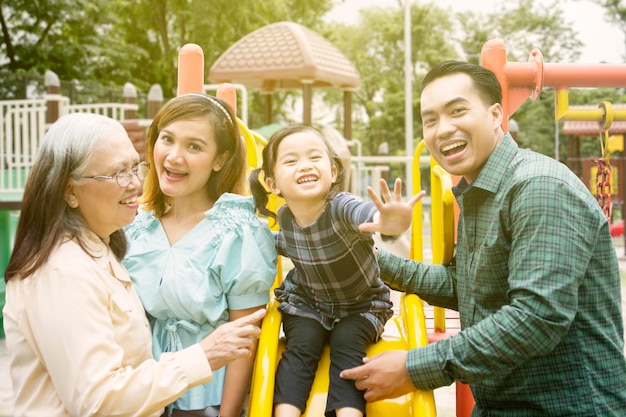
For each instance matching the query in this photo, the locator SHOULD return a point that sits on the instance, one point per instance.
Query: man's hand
(394, 215)
(382, 376)
(233, 340)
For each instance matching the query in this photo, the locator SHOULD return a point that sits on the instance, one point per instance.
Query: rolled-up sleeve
(246, 266)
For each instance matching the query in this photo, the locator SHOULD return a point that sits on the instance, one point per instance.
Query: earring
(72, 203)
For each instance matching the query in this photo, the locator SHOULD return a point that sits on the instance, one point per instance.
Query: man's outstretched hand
(382, 376)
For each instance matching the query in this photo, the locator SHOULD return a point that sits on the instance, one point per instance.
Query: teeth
(307, 180)
(175, 172)
(452, 146)
(131, 201)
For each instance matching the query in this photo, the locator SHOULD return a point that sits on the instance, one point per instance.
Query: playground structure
(288, 56)
(519, 81)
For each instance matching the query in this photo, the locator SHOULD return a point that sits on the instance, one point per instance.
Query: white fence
(23, 125)
(115, 111)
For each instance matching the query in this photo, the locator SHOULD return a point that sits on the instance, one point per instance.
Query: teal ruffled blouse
(227, 261)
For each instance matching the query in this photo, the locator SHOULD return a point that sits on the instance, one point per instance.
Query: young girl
(334, 294)
(198, 254)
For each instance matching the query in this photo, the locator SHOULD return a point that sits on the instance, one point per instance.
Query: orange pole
(520, 81)
(585, 75)
(190, 69)
(464, 400)
(228, 93)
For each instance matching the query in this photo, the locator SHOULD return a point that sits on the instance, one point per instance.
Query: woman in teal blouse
(198, 255)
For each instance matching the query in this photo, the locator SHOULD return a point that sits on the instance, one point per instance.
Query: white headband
(217, 104)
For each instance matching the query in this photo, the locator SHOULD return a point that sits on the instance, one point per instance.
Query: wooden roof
(284, 55)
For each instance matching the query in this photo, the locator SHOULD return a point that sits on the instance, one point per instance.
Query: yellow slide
(410, 332)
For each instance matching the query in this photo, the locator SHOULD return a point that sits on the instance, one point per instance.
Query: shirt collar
(492, 173)
(104, 257)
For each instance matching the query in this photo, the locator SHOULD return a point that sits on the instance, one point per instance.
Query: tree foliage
(213, 25)
(75, 38)
(376, 46)
(523, 26)
(617, 12)
(116, 41)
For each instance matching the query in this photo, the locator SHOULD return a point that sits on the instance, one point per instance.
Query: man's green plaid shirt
(536, 282)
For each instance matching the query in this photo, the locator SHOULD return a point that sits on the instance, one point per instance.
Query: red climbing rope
(603, 177)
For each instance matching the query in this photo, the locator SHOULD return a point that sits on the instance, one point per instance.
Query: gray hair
(63, 155)
(70, 142)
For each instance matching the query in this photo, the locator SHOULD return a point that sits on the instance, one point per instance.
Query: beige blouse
(79, 342)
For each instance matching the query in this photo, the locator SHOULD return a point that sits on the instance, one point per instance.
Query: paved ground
(445, 398)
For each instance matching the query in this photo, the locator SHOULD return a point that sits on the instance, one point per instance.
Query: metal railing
(366, 170)
(23, 125)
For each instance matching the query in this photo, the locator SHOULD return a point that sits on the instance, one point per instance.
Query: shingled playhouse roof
(284, 55)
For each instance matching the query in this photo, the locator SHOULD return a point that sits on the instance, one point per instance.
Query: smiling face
(303, 170)
(460, 129)
(103, 204)
(185, 156)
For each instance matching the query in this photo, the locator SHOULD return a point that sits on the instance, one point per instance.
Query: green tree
(115, 41)
(161, 27)
(73, 38)
(523, 26)
(617, 12)
(376, 47)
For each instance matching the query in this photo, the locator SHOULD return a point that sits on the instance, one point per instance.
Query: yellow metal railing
(442, 222)
(442, 227)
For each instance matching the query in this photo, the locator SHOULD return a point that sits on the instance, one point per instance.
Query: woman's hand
(233, 340)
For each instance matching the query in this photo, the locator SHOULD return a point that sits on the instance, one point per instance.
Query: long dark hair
(45, 218)
(231, 178)
(258, 190)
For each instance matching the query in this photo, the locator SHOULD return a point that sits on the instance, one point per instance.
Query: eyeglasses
(123, 177)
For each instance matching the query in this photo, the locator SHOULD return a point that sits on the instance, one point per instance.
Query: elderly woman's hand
(233, 340)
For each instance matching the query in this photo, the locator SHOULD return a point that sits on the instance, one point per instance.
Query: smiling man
(535, 277)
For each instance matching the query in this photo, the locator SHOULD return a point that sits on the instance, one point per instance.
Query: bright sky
(604, 42)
